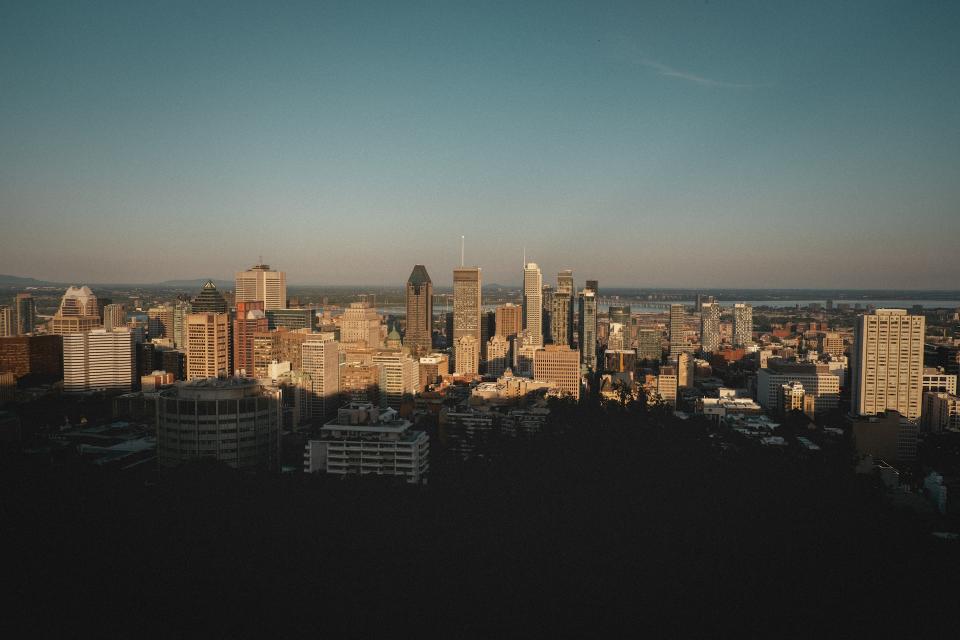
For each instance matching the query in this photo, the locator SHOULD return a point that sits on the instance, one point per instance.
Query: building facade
(466, 312)
(98, 360)
(419, 332)
(560, 366)
(260, 283)
(208, 345)
(533, 302)
(888, 363)
(742, 325)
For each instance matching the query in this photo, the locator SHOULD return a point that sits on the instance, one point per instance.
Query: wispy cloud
(703, 81)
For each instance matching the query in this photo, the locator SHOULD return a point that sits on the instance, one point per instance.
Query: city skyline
(656, 144)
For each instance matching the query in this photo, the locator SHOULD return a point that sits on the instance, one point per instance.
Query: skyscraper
(466, 311)
(249, 321)
(77, 313)
(561, 318)
(621, 314)
(400, 376)
(678, 325)
(710, 327)
(209, 300)
(26, 313)
(260, 283)
(419, 333)
(588, 327)
(565, 282)
(360, 325)
(114, 316)
(208, 345)
(159, 322)
(533, 303)
(98, 359)
(180, 312)
(509, 320)
(498, 355)
(742, 324)
(649, 345)
(888, 363)
(547, 297)
(7, 322)
(320, 360)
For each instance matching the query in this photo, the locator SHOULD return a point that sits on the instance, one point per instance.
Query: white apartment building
(98, 359)
(888, 363)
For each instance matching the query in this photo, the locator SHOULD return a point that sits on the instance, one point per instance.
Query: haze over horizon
(654, 144)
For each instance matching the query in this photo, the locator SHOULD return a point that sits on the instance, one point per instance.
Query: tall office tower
(565, 282)
(209, 300)
(559, 365)
(615, 340)
(533, 302)
(160, 322)
(26, 313)
(888, 363)
(742, 325)
(7, 322)
(621, 314)
(667, 385)
(260, 283)
(30, 355)
(114, 316)
(419, 333)
(710, 327)
(678, 325)
(466, 355)
(320, 360)
(588, 327)
(649, 345)
(509, 320)
(180, 313)
(250, 320)
(466, 311)
(547, 314)
(592, 285)
(77, 312)
(98, 359)
(208, 345)
(561, 320)
(400, 376)
(685, 370)
(498, 355)
(360, 325)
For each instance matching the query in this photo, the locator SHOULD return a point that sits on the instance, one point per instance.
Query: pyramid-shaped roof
(419, 275)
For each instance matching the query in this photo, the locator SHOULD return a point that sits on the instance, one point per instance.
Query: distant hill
(20, 281)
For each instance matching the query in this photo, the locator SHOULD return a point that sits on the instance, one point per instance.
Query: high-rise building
(588, 326)
(400, 376)
(678, 327)
(498, 355)
(360, 325)
(509, 320)
(615, 340)
(180, 312)
(685, 370)
(78, 312)
(98, 359)
(292, 319)
(559, 365)
(208, 345)
(433, 368)
(250, 320)
(238, 424)
(888, 363)
(466, 355)
(817, 380)
(260, 283)
(8, 324)
(710, 327)
(360, 382)
(160, 322)
(419, 332)
(667, 385)
(592, 285)
(565, 282)
(742, 325)
(561, 318)
(466, 312)
(649, 345)
(114, 316)
(547, 314)
(320, 360)
(31, 355)
(209, 300)
(26, 313)
(620, 313)
(533, 302)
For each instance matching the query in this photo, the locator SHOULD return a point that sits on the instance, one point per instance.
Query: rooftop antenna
(461, 250)
(524, 256)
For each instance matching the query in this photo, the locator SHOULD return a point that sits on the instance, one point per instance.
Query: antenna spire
(461, 250)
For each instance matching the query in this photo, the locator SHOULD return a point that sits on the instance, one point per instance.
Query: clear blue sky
(752, 144)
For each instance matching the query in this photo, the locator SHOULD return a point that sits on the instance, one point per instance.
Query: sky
(647, 144)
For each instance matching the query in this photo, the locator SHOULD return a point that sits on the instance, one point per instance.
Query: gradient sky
(737, 144)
